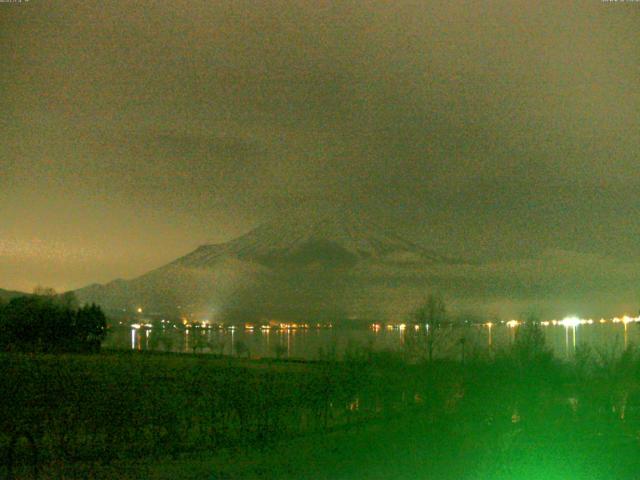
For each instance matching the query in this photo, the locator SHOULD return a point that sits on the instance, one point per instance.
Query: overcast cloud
(132, 132)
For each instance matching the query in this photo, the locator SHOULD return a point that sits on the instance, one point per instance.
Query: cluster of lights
(625, 319)
(568, 322)
(571, 321)
(376, 327)
(138, 326)
(293, 326)
(575, 321)
(248, 327)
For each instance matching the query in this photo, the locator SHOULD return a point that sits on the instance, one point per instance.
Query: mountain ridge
(273, 240)
(294, 264)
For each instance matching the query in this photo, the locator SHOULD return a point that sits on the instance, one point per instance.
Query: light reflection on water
(324, 343)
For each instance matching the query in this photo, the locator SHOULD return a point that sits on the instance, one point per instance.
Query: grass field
(133, 415)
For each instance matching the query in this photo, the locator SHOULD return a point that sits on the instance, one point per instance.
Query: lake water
(315, 343)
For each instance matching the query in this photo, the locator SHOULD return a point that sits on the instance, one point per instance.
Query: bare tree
(432, 314)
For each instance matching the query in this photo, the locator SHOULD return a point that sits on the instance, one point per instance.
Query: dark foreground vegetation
(47, 322)
(513, 414)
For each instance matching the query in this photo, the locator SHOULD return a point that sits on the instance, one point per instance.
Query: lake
(315, 343)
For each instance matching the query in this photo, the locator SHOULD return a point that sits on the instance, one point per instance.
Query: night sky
(506, 133)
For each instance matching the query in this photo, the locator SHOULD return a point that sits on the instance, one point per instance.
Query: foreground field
(409, 447)
(518, 414)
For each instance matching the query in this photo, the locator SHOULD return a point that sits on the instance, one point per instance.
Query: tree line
(48, 322)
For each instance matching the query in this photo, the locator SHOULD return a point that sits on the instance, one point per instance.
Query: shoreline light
(570, 321)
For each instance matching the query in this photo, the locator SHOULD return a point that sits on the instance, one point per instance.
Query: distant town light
(570, 322)
(139, 310)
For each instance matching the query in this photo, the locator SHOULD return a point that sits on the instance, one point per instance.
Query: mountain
(298, 266)
(302, 241)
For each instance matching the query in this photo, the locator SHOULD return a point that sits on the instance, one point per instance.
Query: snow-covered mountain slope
(325, 240)
(294, 266)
